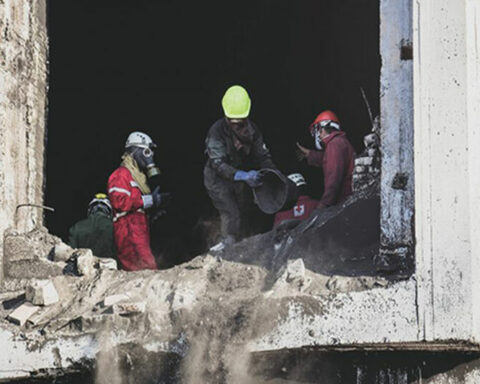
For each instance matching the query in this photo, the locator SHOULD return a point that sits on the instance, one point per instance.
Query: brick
(364, 161)
(131, 308)
(41, 292)
(85, 262)
(107, 264)
(20, 315)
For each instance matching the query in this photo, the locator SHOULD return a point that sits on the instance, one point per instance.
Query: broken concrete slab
(34, 269)
(20, 315)
(85, 262)
(107, 264)
(130, 308)
(62, 252)
(42, 292)
(36, 244)
(295, 270)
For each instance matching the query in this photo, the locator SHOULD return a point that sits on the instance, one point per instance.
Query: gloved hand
(252, 178)
(161, 199)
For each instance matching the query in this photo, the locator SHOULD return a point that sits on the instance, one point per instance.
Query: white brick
(20, 315)
(85, 262)
(364, 161)
(107, 264)
(41, 292)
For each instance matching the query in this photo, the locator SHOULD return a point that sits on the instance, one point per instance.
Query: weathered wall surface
(23, 85)
(447, 163)
(396, 102)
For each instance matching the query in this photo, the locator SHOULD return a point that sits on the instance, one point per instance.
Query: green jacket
(225, 160)
(94, 232)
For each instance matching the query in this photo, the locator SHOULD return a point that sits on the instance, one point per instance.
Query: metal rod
(367, 105)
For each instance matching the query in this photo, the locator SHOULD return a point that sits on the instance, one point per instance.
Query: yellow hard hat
(236, 103)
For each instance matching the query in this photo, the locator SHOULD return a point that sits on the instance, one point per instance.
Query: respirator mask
(317, 139)
(145, 161)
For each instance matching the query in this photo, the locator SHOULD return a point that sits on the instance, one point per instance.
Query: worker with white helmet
(131, 199)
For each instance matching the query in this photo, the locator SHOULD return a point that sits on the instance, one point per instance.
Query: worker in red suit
(334, 154)
(131, 198)
(304, 206)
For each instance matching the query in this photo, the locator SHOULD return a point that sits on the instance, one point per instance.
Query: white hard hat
(298, 179)
(139, 139)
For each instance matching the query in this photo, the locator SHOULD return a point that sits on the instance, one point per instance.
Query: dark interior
(162, 66)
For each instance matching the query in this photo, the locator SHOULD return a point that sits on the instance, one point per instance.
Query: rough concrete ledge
(378, 316)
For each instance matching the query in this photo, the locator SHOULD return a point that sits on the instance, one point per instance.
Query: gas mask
(145, 161)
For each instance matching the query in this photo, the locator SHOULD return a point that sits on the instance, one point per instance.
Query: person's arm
(315, 158)
(217, 152)
(122, 196)
(334, 174)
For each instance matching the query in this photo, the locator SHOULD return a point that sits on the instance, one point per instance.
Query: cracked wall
(23, 79)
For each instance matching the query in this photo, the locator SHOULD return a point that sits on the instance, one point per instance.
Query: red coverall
(301, 211)
(337, 162)
(130, 227)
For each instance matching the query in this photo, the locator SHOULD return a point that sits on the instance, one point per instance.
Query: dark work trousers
(234, 202)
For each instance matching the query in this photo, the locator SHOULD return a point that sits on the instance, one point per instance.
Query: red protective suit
(301, 211)
(337, 162)
(130, 227)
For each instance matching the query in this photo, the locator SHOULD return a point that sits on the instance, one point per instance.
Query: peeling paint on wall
(23, 76)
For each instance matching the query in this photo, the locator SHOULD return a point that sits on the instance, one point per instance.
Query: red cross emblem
(298, 210)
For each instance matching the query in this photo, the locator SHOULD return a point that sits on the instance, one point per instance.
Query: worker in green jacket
(96, 231)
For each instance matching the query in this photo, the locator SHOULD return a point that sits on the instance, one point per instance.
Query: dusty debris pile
(205, 312)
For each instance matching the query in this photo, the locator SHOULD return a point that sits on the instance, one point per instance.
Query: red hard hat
(323, 116)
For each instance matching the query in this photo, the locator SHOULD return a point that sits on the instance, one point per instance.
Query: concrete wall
(396, 105)
(447, 167)
(23, 82)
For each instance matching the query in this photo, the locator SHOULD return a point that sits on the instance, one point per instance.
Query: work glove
(161, 200)
(252, 178)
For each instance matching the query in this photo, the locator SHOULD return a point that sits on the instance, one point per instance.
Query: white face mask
(318, 140)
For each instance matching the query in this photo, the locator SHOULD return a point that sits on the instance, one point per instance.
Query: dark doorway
(162, 66)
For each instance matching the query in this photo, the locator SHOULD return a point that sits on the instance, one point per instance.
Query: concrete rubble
(210, 312)
(41, 292)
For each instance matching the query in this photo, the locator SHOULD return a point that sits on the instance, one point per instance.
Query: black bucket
(276, 193)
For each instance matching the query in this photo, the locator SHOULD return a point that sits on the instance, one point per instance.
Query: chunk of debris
(132, 308)
(351, 284)
(85, 262)
(36, 244)
(20, 315)
(107, 264)
(295, 270)
(114, 299)
(41, 292)
(62, 252)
